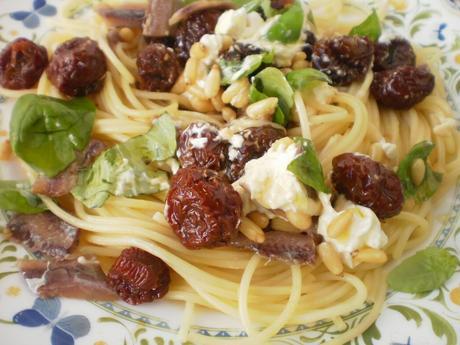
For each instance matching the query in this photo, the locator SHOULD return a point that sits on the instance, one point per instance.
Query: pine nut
(126, 34)
(234, 89)
(228, 114)
(340, 223)
(300, 65)
(217, 101)
(371, 256)
(263, 110)
(190, 70)
(198, 51)
(259, 218)
(299, 220)
(212, 82)
(180, 86)
(330, 258)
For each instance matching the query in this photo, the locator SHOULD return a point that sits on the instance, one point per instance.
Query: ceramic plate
(428, 319)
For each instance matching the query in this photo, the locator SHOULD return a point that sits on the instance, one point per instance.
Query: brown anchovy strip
(67, 278)
(157, 16)
(63, 183)
(44, 233)
(290, 247)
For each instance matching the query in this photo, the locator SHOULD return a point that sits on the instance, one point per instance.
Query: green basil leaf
(46, 132)
(16, 196)
(370, 27)
(307, 167)
(124, 169)
(256, 5)
(306, 78)
(425, 271)
(288, 27)
(431, 179)
(271, 82)
(233, 70)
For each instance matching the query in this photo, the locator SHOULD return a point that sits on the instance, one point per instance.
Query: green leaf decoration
(370, 27)
(371, 334)
(124, 169)
(307, 167)
(431, 180)
(288, 27)
(427, 270)
(307, 78)
(47, 132)
(408, 313)
(271, 82)
(16, 196)
(441, 327)
(233, 70)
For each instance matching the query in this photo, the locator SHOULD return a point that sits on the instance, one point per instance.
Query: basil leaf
(124, 169)
(233, 70)
(425, 271)
(16, 196)
(307, 167)
(263, 6)
(46, 132)
(431, 179)
(370, 27)
(288, 27)
(271, 83)
(306, 78)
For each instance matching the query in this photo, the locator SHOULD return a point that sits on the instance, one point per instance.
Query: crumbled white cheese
(198, 143)
(270, 184)
(390, 149)
(364, 231)
(82, 260)
(251, 29)
(213, 44)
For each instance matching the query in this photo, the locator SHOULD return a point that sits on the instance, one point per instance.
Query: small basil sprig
(307, 167)
(15, 196)
(46, 132)
(370, 27)
(425, 271)
(306, 78)
(288, 28)
(431, 179)
(233, 70)
(271, 82)
(124, 169)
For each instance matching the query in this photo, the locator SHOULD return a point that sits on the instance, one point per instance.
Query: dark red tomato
(397, 52)
(139, 277)
(202, 208)
(368, 183)
(193, 28)
(22, 62)
(344, 59)
(402, 87)
(200, 146)
(158, 67)
(78, 67)
(256, 141)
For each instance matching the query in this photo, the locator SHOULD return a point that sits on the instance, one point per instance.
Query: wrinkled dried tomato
(397, 52)
(255, 142)
(344, 59)
(202, 208)
(22, 62)
(78, 67)
(139, 277)
(201, 146)
(402, 87)
(368, 183)
(193, 28)
(158, 67)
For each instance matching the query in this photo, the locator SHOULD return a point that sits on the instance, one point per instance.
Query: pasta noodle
(234, 282)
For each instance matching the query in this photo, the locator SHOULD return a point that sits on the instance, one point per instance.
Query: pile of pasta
(264, 295)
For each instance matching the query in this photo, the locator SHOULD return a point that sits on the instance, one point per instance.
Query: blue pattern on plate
(45, 312)
(30, 19)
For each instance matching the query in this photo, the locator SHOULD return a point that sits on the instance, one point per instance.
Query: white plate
(430, 319)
